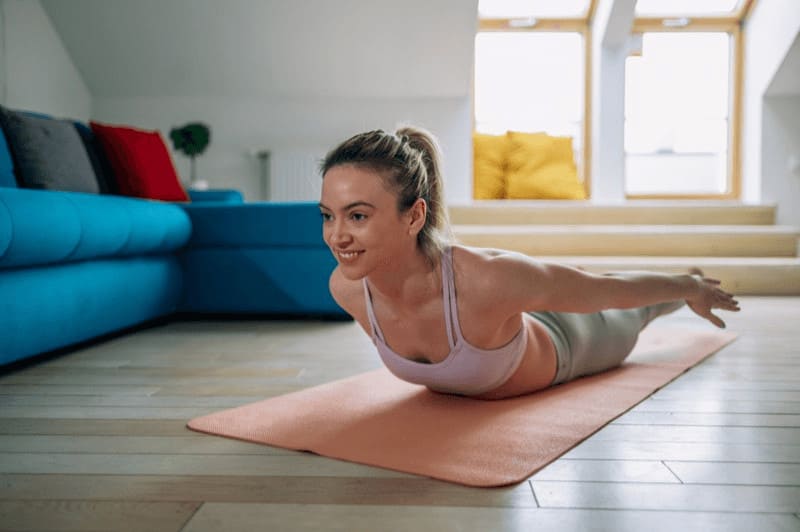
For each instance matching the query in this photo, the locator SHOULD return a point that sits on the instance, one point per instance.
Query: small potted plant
(191, 139)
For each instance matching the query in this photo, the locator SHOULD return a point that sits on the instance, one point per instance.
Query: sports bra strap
(449, 303)
(376, 329)
(449, 296)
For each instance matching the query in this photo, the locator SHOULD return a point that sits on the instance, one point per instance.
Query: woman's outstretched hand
(710, 296)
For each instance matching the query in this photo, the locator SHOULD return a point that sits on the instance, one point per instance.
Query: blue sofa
(75, 266)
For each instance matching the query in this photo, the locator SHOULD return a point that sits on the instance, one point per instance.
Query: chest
(419, 334)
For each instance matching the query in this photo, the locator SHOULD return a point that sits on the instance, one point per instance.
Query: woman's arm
(526, 284)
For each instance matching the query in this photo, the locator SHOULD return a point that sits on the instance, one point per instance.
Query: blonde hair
(409, 161)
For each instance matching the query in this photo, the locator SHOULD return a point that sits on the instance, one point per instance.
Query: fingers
(713, 318)
(724, 300)
(731, 305)
(712, 297)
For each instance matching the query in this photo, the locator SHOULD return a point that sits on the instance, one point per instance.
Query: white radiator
(290, 176)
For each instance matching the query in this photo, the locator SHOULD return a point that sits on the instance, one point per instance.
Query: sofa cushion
(155, 227)
(52, 227)
(7, 178)
(44, 227)
(47, 153)
(51, 307)
(140, 162)
(5, 228)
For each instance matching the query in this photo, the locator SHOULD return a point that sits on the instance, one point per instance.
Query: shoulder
(498, 280)
(482, 271)
(493, 267)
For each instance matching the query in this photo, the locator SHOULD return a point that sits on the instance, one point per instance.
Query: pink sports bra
(467, 370)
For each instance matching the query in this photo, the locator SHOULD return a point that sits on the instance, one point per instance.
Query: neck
(407, 282)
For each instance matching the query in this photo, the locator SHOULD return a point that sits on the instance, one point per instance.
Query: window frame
(581, 25)
(732, 25)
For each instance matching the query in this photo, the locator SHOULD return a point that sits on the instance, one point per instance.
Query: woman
(485, 323)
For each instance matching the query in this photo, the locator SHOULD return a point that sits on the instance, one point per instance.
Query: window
(499, 9)
(677, 114)
(531, 69)
(682, 99)
(687, 8)
(529, 82)
(683, 88)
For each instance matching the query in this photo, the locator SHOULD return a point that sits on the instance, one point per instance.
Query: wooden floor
(95, 440)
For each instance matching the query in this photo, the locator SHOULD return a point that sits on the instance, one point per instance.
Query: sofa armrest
(217, 195)
(261, 224)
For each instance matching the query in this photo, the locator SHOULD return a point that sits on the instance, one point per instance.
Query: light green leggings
(590, 343)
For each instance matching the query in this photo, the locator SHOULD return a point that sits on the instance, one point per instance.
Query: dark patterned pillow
(100, 163)
(48, 153)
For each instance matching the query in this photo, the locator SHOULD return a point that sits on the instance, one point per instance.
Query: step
(653, 240)
(693, 212)
(739, 275)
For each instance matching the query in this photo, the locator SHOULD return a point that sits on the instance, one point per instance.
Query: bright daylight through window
(529, 82)
(682, 87)
(676, 114)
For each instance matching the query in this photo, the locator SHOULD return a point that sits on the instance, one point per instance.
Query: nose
(338, 235)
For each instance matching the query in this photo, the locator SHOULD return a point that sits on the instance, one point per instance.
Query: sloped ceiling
(269, 48)
(787, 78)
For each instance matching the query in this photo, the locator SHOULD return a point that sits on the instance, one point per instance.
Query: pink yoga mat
(376, 419)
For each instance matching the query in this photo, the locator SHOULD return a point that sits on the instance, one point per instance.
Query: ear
(416, 216)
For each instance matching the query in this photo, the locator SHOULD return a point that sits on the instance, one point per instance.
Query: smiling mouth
(348, 255)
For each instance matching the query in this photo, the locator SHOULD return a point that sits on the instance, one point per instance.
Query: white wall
(36, 72)
(781, 156)
(298, 77)
(282, 75)
(288, 127)
(769, 34)
(611, 34)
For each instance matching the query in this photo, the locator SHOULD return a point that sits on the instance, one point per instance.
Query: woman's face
(360, 221)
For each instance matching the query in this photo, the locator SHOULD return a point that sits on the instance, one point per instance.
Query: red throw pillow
(142, 165)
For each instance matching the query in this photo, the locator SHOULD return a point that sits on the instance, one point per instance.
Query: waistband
(560, 341)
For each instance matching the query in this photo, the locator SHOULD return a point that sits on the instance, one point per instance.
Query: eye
(358, 217)
(326, 217)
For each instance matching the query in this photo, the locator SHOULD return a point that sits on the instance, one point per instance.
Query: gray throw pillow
(48, 153)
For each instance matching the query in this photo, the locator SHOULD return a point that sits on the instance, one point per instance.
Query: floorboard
(96, 440)
(237, 517)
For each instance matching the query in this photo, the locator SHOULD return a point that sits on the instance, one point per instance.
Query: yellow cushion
(540, 166)
(489, 166)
